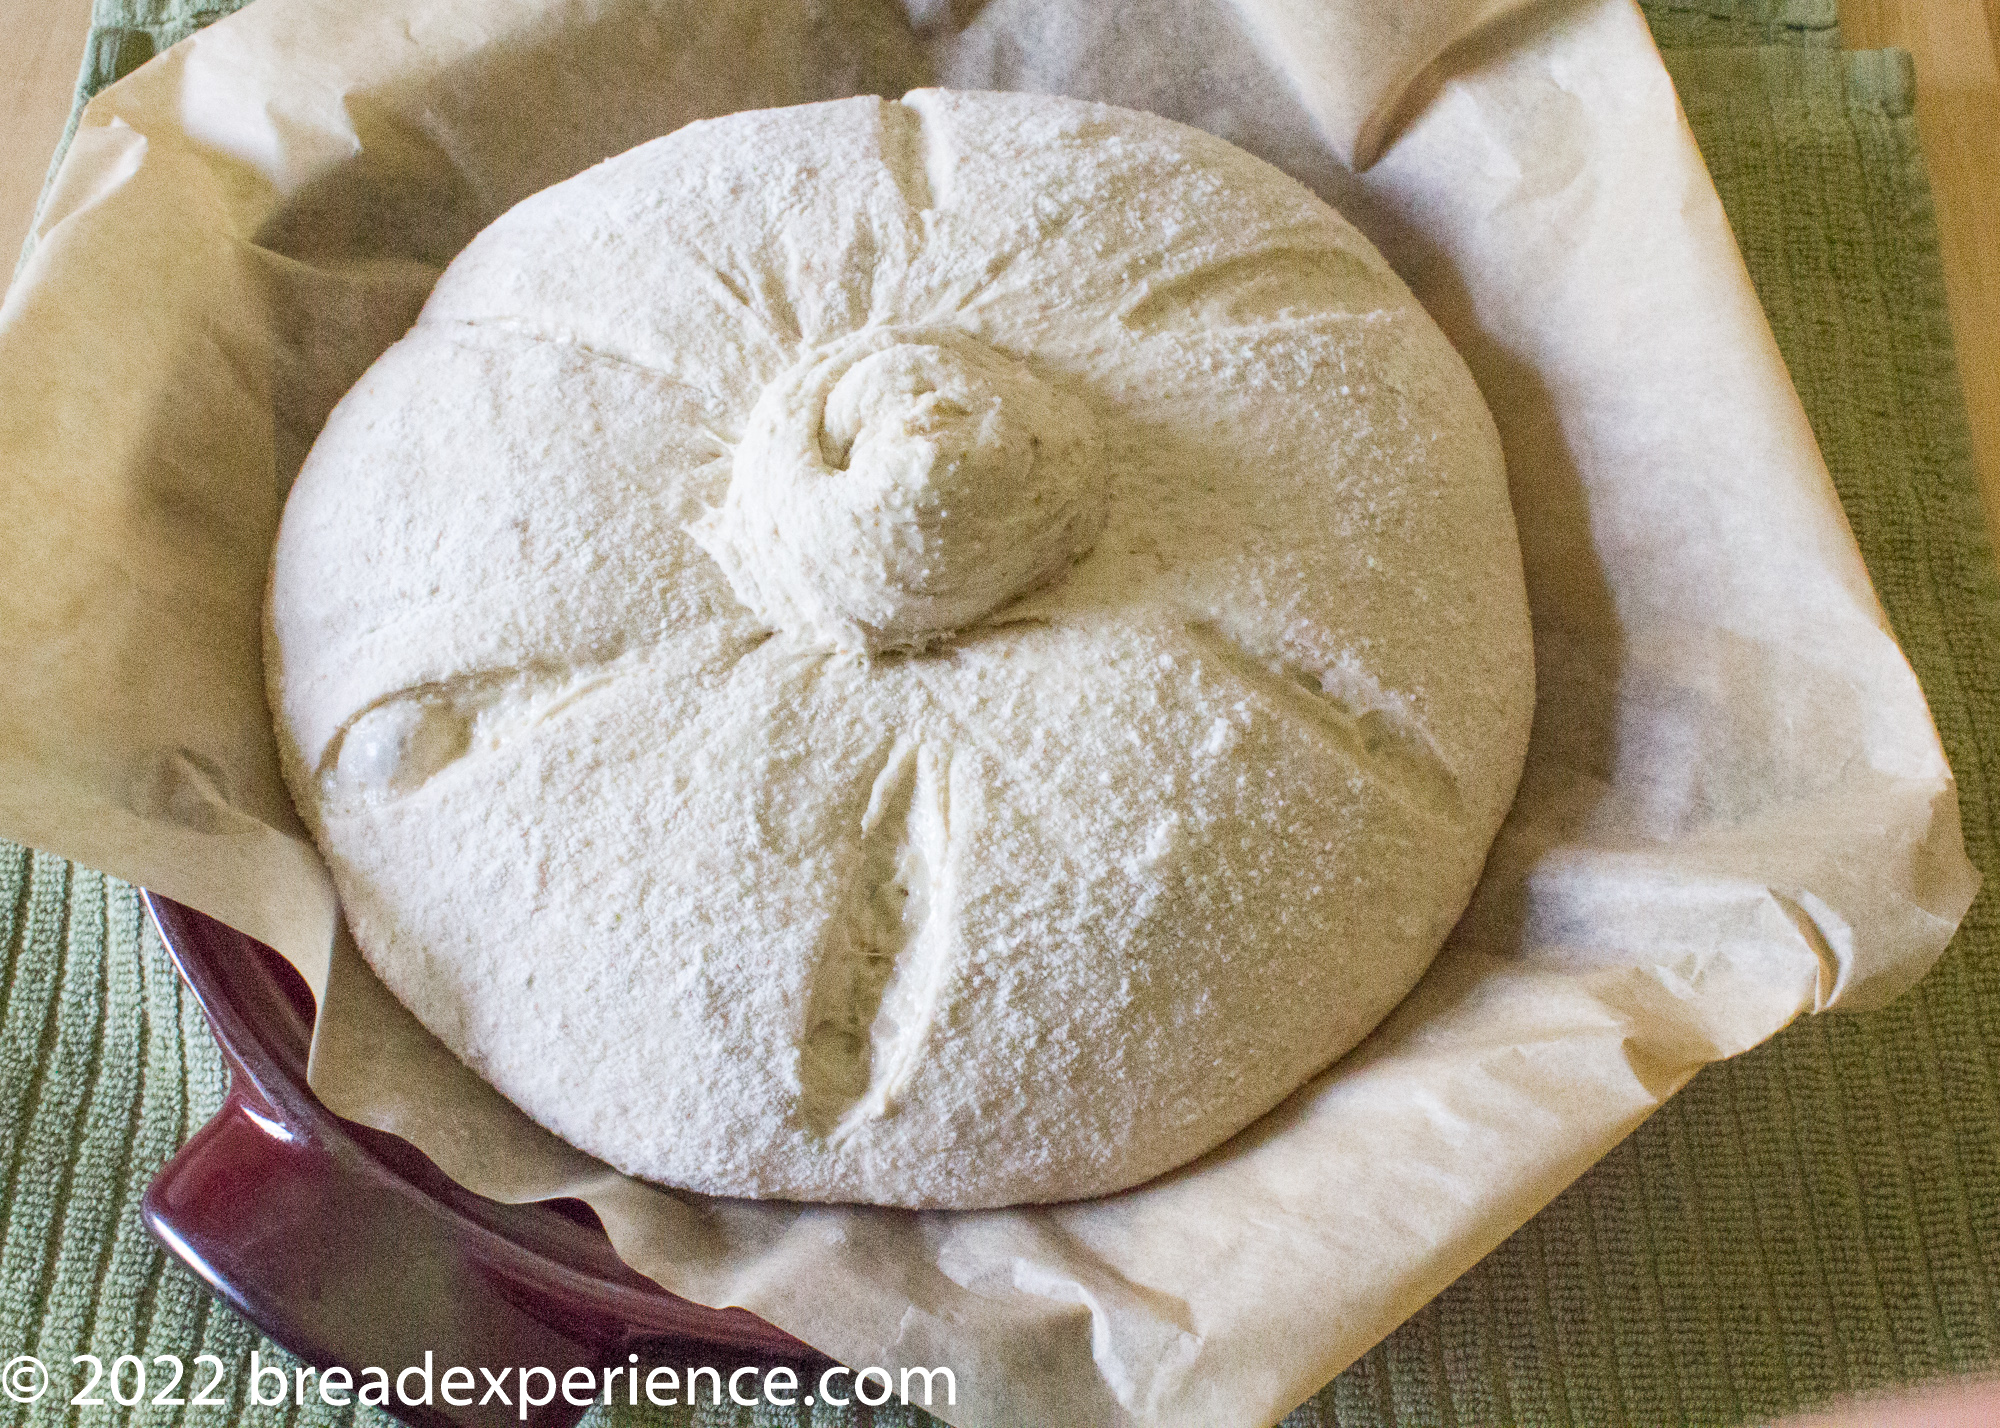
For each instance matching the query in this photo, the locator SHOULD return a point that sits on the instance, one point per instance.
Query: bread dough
(941, 653)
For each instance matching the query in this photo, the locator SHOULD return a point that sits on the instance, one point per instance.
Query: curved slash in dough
(442, 722)
(1380, 742)
(906, 152)
(880, 976)
(465, 715)
(1269, 285)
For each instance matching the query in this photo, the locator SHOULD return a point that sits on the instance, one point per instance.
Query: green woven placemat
(1818, 1216)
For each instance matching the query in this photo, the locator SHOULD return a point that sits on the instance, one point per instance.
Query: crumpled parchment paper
(1735, 810)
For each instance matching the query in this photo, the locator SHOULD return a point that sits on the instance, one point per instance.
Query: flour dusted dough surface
(944, 653)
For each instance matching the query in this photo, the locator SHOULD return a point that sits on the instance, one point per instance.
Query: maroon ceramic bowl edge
(349, 1247)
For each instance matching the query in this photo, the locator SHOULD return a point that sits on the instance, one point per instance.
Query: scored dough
(941, 653)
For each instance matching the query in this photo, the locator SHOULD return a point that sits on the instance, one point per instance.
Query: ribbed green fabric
(1685, 24)
(1820, 1215)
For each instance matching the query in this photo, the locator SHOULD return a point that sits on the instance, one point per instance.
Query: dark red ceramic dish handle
(350, 1248)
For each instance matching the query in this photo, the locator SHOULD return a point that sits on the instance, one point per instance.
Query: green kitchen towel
(1818, 1216)
(1683, 24)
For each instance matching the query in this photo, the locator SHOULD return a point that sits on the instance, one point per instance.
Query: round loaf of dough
(941, 653)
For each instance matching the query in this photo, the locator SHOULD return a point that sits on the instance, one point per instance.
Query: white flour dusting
(944, 653)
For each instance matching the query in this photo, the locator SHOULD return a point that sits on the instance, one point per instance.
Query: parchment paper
(1735, 811)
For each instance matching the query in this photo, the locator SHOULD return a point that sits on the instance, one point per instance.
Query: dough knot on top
(899, 485)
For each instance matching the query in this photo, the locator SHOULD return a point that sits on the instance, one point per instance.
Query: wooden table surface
(1956, 44)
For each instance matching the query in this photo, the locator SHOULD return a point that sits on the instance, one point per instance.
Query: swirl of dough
(901, 485)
